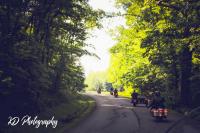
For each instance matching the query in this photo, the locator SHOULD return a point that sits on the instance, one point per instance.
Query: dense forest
(41, 44)
(158, 49)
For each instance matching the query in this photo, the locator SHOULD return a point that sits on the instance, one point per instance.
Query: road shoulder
(90, 105)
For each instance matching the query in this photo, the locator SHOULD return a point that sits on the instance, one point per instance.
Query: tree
(167, 32)
(41, 44)
(96, 80)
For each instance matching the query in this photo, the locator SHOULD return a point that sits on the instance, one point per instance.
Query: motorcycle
(111, 93)
(99, 91)
(159, 114)
(134, 102)
(115, 94)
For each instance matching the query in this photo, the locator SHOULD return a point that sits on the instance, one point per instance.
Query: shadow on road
(167, 121)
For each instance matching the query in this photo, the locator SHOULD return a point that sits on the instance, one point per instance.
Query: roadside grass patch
(68, 115)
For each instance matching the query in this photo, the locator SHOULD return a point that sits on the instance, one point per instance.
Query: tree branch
(160, 3)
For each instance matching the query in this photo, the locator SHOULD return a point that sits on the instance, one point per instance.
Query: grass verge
(67, 114)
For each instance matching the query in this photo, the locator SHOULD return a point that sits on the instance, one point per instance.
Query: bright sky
(101, 40)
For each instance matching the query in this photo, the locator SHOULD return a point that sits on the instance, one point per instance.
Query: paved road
(116, 115)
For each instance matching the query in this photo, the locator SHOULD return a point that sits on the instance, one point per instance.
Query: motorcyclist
(158, 101)
(99, 90)
(111, 91)
(134, 95)
(115, 92)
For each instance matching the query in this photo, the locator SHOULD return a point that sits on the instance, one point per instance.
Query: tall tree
(169, 41)
(41, 44)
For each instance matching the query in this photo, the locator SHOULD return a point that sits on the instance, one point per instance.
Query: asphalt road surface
(117, 115)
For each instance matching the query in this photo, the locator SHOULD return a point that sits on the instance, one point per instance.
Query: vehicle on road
(134, 102)
(115, 93)
(111, 91)
(141, 99)
(159, 113)
(99, 91)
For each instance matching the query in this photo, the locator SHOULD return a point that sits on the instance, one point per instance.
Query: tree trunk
(174, 68)
(59, 71)
(185, 74)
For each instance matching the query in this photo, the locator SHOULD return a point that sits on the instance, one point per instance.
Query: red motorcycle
(159, 114)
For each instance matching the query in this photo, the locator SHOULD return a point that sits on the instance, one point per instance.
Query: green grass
(88, 105)
(67, 114)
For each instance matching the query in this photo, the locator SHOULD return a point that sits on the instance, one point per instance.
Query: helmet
(157, 93)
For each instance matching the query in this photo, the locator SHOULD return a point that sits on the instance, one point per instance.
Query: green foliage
(41, 44)
(158, 49)
(127, 58)
(96, 80)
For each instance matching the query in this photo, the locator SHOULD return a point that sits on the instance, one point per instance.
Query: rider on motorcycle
(158, 101)
(99, 90)
(134, 95)
(115, 92)
(111, 91)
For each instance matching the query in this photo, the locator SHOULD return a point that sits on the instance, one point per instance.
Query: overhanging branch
(160, 3)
